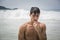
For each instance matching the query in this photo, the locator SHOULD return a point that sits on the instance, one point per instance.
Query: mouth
(35, 20)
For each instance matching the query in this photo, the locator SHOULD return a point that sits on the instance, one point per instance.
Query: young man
(29, 31)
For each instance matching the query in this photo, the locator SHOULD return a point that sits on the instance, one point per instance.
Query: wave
(24, 14)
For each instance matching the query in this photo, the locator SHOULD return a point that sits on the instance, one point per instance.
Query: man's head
(34, 13)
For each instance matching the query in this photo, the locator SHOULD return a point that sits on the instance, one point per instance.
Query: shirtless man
(27, 30)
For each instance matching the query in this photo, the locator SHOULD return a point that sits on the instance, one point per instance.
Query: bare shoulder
(42, 25)
(22, 27)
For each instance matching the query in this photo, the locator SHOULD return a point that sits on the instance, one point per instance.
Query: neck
(31, 21)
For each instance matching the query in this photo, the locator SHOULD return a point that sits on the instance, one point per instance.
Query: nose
(35, 18)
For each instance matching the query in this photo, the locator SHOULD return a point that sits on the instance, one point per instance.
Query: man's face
(34, 17)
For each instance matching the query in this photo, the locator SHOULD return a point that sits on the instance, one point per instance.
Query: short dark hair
(34, 10)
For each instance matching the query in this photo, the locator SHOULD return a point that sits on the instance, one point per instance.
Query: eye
(33, 15)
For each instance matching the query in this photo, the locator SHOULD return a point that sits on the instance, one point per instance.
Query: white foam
(21, 13)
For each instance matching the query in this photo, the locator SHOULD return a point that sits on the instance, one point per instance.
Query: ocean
(10, 21)
(9, 28)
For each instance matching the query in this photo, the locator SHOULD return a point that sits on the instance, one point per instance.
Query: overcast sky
(27, 4)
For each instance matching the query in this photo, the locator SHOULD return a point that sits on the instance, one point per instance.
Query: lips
(35, 20)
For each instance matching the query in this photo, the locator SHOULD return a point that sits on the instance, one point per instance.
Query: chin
(35, 20)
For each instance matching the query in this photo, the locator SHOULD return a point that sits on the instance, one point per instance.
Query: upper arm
(44, 31)
(21, 32)
(44, 28)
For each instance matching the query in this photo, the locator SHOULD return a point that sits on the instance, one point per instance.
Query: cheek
(32, 17)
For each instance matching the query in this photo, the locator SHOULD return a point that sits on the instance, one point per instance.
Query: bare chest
(30, 31)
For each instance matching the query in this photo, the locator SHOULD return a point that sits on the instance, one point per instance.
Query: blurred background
(13, 13)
